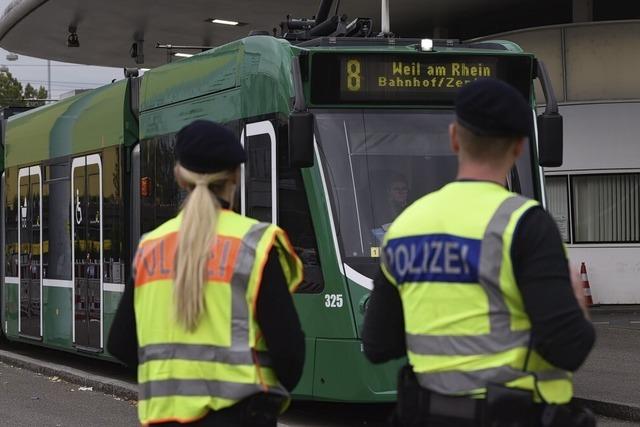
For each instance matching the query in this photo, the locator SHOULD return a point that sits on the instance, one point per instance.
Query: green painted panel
(57, 316)
(266, 79)
(342, 373)
(212, 71)
(222, 107)
(247, 78)
(110, 305)
(304, 389)
(11, 309)
(317, 319)
(91, 120)
(359, 299)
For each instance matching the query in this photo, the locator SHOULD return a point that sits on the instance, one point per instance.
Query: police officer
(210, 322)
(475, 288)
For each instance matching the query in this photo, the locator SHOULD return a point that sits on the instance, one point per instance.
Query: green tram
(329, 125)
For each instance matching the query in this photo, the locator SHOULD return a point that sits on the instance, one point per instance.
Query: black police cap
(490, 107)
(208, 147)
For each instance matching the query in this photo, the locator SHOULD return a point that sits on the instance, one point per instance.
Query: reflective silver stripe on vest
(501, 337)
(201, 352)
(452, 382)
(239, 283)
(554, 374)
(463, 345)
(221, 389)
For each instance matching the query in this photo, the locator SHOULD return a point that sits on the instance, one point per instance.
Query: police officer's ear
(181, 182)
(518, 147)
(453, 138)
(235, 176)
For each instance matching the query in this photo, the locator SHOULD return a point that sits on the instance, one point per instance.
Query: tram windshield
(377, 163)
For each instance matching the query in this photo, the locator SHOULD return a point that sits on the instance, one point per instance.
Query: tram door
(86, 213)
(30, 243)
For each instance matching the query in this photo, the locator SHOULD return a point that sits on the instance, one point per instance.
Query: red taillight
(145, 186)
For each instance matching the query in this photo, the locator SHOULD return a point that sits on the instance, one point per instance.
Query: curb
(106, 385)
(618, 411)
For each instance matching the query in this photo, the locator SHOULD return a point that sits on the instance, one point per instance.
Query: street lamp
(14, 57)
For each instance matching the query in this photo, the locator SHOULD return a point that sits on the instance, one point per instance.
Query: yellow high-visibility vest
(182, 375)
(449, 254)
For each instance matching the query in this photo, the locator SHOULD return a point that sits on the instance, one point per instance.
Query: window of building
(606, 208)
(558, 203)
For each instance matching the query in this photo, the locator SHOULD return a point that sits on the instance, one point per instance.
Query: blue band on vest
(433, 258)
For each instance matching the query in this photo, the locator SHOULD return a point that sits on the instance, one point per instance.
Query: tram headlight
(426, 45)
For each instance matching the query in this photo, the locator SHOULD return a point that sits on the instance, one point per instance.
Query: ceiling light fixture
(224, 22)
(182, 55)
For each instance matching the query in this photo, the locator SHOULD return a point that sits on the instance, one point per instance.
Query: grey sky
(64, 77)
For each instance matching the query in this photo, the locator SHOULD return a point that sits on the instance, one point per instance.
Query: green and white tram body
(86, 176)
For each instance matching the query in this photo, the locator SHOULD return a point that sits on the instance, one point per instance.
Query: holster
(571, 415)
(412, 408)
(509, 407)
(262, 410)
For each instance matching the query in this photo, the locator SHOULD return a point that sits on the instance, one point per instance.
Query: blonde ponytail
(196, 237)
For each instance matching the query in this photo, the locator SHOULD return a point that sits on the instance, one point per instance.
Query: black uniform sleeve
(279, 323)
(383, 335)
(559, 330)
(123, 339)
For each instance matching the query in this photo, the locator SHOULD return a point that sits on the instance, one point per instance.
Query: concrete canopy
(107, 29)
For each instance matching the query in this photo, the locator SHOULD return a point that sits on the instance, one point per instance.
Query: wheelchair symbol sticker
(78, 208)
(23, 213)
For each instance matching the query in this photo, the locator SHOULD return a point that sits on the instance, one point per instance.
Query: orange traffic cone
(585, 284)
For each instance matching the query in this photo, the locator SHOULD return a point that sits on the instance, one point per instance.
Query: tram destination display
(409, 78)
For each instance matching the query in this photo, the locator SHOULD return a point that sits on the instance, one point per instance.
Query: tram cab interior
(378, 163)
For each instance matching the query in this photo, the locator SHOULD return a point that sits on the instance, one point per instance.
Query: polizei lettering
(433, 258)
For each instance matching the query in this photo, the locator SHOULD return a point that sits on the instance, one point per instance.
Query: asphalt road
(28, 399)
(610, 373)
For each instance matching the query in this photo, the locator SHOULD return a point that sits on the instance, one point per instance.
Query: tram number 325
(333, 300)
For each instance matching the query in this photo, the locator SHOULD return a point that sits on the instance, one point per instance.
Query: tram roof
(107, 29)
(69, 126)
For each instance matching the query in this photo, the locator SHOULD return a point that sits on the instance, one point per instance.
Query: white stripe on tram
(56, 283)
(113, 287)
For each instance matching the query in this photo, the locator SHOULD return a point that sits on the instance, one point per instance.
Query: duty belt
(454, 406)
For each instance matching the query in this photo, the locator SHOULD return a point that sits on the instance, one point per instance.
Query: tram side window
(56, 237)
(295, 218)
(11, 222)
(558, 203)
(606, 208)
(113, 218)
(160, 195)
(258, 178)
